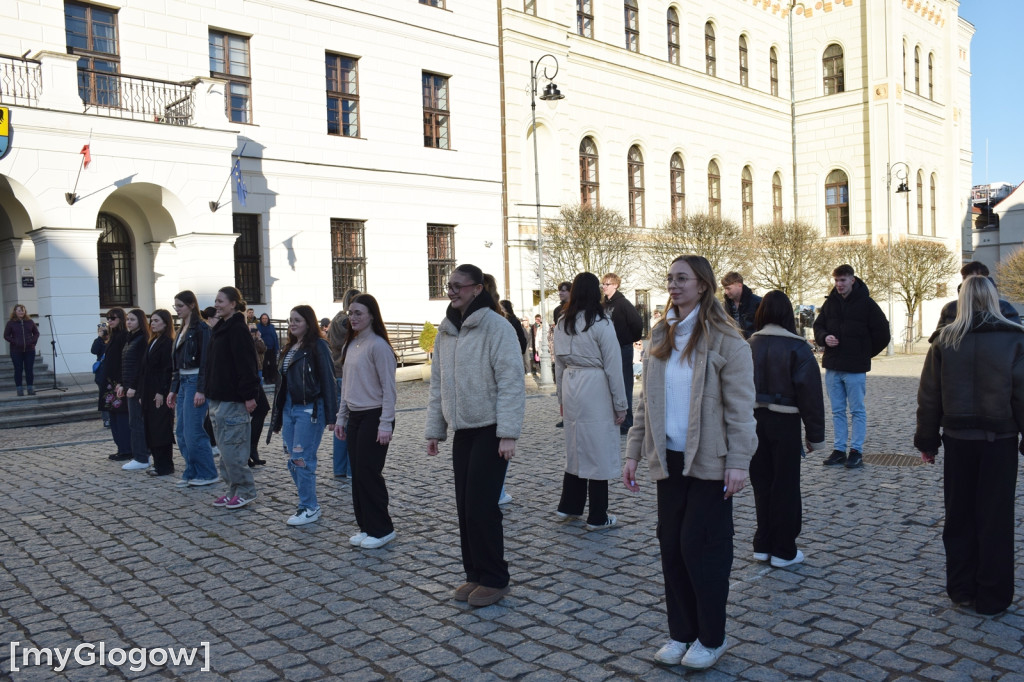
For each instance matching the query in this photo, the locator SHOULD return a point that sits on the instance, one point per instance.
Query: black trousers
(695, 533)
(574, 498)
(479, 473)
(259, 418)
(980, 480)
(775, 477)
(369, 490)
(627, 379)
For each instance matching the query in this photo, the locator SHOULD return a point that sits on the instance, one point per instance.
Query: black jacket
(510, 315)
(858, 323)
(744, 312)
(973, 392)
(629, 326)
(948, 314)
(310, 377)
(110, 369)
(231, 371)
(155, 377)
(191, 353)
(787, 378)
(131, 360)
(22, 335)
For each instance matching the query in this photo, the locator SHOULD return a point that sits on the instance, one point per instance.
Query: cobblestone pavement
(91, 554)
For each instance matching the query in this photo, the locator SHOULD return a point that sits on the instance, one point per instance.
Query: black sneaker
(560, 425)
(855, 460)
(120, 456)
(836, 458)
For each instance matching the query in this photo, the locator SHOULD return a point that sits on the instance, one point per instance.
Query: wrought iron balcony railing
(140, 99)
(21, 81)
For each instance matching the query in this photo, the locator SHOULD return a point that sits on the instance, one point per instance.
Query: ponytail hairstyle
(376, 324)
(235, 296)
(491, 287)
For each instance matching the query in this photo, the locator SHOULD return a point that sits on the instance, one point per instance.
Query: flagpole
(73, 196)
(214, 205)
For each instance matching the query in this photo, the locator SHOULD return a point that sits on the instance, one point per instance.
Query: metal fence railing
(141, 99)
(21, 81)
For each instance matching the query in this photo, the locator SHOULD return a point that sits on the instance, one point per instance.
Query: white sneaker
(762, 556)
(608, 523)
(782, 563)
(371, 542)
(216, 450)
(135, 465)
(357, 539)
(671, 653)
(204, 481)
(183, 483)
(505, 499)
(699, 657)
(562, 516)
(304, 516)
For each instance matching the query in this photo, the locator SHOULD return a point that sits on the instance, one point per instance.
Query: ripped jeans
(301, 436)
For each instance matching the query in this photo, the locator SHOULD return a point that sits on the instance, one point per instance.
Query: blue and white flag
(236, 171)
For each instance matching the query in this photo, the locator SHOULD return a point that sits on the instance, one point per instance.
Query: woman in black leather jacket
(788, 385)
(305, 403)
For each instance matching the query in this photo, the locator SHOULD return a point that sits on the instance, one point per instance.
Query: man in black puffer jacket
(740, 302)
(948, 314)
(852, 329)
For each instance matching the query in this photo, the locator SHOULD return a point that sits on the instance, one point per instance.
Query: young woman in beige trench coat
(588, 372)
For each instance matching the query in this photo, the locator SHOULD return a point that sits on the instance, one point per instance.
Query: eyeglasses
(678, 281)
(112, 317)
(607, 284)
(456, 288)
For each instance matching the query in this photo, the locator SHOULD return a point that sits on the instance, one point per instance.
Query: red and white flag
(87, 155)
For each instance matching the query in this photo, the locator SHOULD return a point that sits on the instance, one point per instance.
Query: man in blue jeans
(852, 329)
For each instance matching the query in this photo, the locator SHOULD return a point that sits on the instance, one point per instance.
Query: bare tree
(870, 263)
(586, 238)
(789, 257)
(722, 242)
(918, 268)
(1010, 275)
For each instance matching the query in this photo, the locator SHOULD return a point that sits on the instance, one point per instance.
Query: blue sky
(997, 98)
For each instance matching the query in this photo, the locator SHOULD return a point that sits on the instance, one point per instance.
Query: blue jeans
(193, 442)
(301, 436)
(342, 467)
(843, 388)
(23, 362)
(120, 432)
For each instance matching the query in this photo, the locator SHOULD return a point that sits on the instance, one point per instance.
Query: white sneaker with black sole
(609, 522)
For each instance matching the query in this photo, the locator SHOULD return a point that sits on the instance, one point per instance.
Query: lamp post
(902, 188)
(551, 92)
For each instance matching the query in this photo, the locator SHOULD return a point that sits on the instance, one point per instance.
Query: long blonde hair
(978, 299)
(710, 316)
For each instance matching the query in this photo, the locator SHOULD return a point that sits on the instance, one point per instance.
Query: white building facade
(367, 133)
(699, 93)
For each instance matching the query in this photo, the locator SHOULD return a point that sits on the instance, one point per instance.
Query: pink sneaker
(236, 502)
(221, 501)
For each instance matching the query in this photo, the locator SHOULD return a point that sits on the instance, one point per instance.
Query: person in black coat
(629, 327)
(852, 329)
(948, 313)
(132, 358)
(110, 402)
(788, 385)
(740, 302)
(154, 386)
(99, 349)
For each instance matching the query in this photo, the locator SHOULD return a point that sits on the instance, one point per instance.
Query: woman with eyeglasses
(110, 402)
(188, 393)
(477, 388)
(131, 368)
(695, 428)
(154, 387)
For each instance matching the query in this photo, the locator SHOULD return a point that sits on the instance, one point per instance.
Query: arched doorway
(116, 263)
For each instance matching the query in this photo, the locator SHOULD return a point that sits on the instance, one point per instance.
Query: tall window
(115, 262)
(931, 75)
(635, 170)
(348, 256)
(229, 59)
(920, 202)
(917, 70)
(747, 196)
(588, 172)
(709, 49)
(714, 191)
(673, 35)
(530, 7)
(342, 95)
(904, 64)
(773, 71)
(440, 258)
(585, 18)
(435, 111)
(777, 199)
(931, 204)
(432, 3)
(837, 204)
(832, 68)
(248, 268)
(91, 34)
(676, 174)
(632, 12)
(744, 64)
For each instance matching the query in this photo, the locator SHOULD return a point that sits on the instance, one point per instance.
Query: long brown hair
(710, 316)
(165, 316)
(143, 319)
(376, 324)
(312, 334)
(14, 311)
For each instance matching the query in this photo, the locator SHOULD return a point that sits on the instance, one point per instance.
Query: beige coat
(588, 371)
(722, 431)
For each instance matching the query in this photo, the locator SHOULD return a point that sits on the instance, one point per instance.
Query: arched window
(747, 195)
(588, 172)
(832, 68)
(837, 204)
(116, 263)
(773, 71)
(714, 190)
(777, 199)
(632, 11)
(917, 70)
(635, 170)
(677, 176)
(920, 202)
(931, 205)
(744, 64)
(709, 49)
(673, 35)
(931, 75)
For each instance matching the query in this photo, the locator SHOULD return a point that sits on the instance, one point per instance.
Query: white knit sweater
(678, 380)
